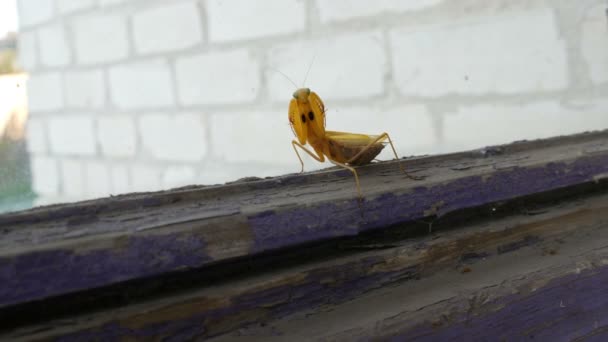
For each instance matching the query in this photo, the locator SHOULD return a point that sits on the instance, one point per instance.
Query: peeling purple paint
(288, 227)
(571, 307)
(275, 230)
(323, 286)
(47, 273)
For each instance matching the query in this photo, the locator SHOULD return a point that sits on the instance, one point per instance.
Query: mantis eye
(301, 94)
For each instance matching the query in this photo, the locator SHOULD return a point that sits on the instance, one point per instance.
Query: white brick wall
(337, 10)
(501, 124)
(231, 20)
(144, 84)
(595, 43)
(47, 89)
(72, 135)
(117, 136)
(179, 137)
(144, 178)
(129, 95)
(252, 136)
(345, 67)
(45, 175)
(175, 176)
(54, 47)
(85, 89)
(100, 38)
(97, 179)
(198, 78)
(28, 50)
(508, 53)
(109, 3)
(119, 178)
(72, 178)
(68, 6)
(167, 28)
(216, 172)
(33, 12)
(36, 136)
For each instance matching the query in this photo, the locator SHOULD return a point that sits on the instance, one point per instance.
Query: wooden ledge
(61, 249)
(537, 271)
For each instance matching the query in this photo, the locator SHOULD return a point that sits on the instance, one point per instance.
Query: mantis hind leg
(380, 138)
(320, 158)
(397, 157)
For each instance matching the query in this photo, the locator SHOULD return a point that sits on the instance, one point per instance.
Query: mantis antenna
(289, 79)
(282, 74)
(309, 67)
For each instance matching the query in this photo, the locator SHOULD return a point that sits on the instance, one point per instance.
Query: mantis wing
(351, 139)
(353, 148)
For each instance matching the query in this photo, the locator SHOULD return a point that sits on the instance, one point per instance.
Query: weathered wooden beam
(548, 286)
(63, 249)
(525, 274)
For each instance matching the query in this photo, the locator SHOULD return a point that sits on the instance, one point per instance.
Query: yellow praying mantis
(307, 120)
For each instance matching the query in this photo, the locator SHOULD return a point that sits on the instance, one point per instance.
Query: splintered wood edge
(134, 248)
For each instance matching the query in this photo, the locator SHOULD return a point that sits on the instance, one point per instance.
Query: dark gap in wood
(140, 290)
(526, 205)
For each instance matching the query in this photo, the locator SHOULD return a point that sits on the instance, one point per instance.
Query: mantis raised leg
(320, 157)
